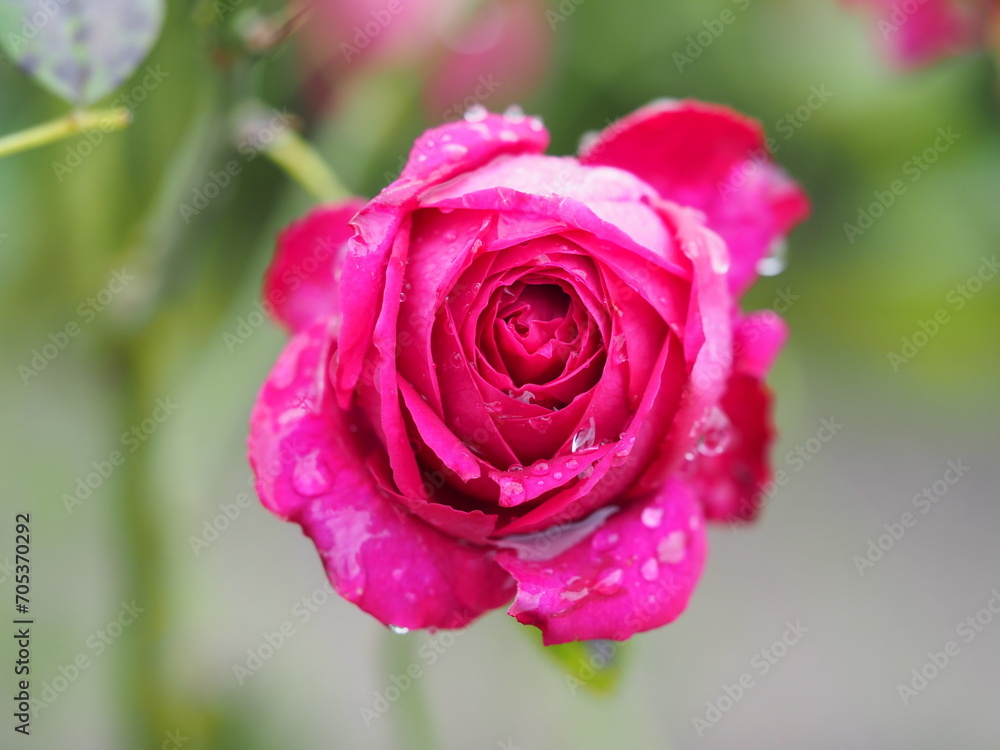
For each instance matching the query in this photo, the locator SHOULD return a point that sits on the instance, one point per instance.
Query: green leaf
(591, 666)
(79, 49)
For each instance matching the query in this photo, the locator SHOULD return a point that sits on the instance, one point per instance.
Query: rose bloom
(918, 32)
(523, 376)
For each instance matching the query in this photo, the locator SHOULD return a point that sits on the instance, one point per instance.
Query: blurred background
(891, 372)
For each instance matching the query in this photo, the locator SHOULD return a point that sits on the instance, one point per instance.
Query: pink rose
(520, 375)
(917, 32)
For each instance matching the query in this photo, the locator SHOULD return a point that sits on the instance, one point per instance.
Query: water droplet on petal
(623, 452)
(584, 438)
(514, 113)
(716, 433)
(557, 475)
(775, 260)
(508, 136)
(650, 569)
(456, 360)
(610, 582)
(515, 467)
(673, 547)
(652, 516)
(572, 464)
(402, 296)
(310, 476)
(604, 539)
(454, 151)
(475, 113)
(540, 469)
(399, 629)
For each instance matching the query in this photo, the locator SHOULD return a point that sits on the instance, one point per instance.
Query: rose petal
(309, 459)
(635, 573)
(301, 284)
(710, 158)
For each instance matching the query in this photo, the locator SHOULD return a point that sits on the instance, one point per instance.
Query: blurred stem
(304, 164)
(146, 700)
(414, 728)
(106, 120)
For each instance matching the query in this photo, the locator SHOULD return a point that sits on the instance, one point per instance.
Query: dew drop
(650, 569)
(540, 469)
(508, 136)
(310, 477)
(672, 548)
(716, 433)
(557, 475)
(610, 582)
(572, 464)
(454, 151)
(652, 516)
(514, 113)
(402, 296)
(475, 113)
(399, 629)
(456, 360)
(584, 438)
(775, 260)
(604, 540)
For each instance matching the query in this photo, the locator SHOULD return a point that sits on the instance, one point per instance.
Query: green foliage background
(61, 239)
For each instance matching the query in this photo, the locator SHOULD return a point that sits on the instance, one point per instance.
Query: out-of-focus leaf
(590, 666)
(79, 49)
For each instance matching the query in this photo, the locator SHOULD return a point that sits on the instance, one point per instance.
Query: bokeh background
(168, 680)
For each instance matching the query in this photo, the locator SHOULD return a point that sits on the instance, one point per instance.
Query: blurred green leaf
(80, 50)
(591, 666)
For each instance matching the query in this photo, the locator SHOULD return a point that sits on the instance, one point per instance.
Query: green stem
(63, 127)
(412, 720)
(304, 164)
(147, 702)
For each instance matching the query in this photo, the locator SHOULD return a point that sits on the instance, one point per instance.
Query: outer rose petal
(310, 461)
(634, 574)
(713, 159)
(731, 484)
(301, 284)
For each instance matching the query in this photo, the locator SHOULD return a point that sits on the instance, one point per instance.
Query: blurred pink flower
(473, 52)
(918, 32)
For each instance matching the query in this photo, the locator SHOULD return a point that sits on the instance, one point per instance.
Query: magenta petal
(710, 158)
(302, 283)
(309, 460)
(635, 573)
